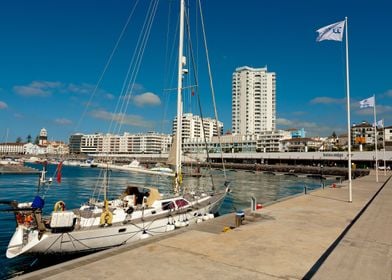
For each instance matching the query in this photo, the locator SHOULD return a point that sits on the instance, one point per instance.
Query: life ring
(59, 206)
(106, 218)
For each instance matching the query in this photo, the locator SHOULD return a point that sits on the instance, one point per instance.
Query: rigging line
(146, 37)
(166, 68)
(169, 69)
(199, 103)
(72, 239)
(212, 88)
(130, 84)
(53, 243)
(107, 64)
(117, 110)
(47, 189)
(133, 234)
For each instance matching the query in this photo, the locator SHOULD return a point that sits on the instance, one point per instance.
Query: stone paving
(319, 235)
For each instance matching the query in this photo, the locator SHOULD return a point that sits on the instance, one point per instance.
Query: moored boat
(137, 213)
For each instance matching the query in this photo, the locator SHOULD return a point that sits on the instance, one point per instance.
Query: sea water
(78, 184)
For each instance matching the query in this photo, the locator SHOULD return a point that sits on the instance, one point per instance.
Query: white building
(302, 145)
(267, 141)
(388, 138)
(253, 100)
(57, 148)
(149, 143)
(89, 143)
(192, 127)
(11, 148)
(33, 149)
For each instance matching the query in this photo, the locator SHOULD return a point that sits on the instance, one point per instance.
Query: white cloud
(38, 88)
(388, 93)
(284, 122)
(3, 105)
(380, 109)
(62, 121)
(83, 88)
(47, 88)
(148, 98)
(311, 128)
(327, 100)
(109, 96)
(131, 120)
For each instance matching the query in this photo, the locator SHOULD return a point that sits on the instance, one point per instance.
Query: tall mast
(181, 63)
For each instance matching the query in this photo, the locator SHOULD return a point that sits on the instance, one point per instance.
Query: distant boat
(163, 170)
(71, 163)
(88, 163)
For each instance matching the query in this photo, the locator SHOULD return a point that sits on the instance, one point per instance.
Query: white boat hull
(27, 241)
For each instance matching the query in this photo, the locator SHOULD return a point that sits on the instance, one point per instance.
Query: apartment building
(149, 143)
(192, 127)
(253, 100)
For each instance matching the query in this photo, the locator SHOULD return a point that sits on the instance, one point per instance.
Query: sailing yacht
(138, 213)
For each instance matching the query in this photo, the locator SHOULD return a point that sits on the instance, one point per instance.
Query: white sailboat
(136, 214)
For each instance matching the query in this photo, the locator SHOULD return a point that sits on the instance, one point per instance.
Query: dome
(43, 132)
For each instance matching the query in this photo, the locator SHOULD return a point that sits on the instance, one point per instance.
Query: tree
(19, 140)
(334, 135)
(28, 138)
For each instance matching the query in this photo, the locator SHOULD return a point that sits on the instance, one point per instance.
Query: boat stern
(22, 241)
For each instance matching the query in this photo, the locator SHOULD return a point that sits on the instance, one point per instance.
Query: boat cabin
(140, 196)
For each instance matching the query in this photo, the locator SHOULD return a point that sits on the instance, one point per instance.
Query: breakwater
(17, 169)
(314, 170)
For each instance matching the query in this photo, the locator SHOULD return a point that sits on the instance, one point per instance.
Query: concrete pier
(315, 236)
(17, 169)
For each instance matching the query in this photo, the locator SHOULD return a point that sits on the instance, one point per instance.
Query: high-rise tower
(253, 100)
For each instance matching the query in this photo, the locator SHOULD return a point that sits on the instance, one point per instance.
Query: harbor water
(79, 183)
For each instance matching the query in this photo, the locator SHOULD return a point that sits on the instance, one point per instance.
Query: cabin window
(168, 205)
(181, 203)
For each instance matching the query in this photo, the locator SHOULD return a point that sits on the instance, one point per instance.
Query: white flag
(331, 32)
(379, 124)
(366, 103)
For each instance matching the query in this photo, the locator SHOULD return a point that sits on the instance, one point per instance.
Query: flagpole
(348, 120)
(383, 144)
(375, 135)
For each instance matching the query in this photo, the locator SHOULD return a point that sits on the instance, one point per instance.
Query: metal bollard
(253, 204)
(305, 190)
(239, 217)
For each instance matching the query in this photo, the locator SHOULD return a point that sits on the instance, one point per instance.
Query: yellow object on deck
(106, 218)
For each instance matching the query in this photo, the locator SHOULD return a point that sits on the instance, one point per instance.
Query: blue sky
(53, 53)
